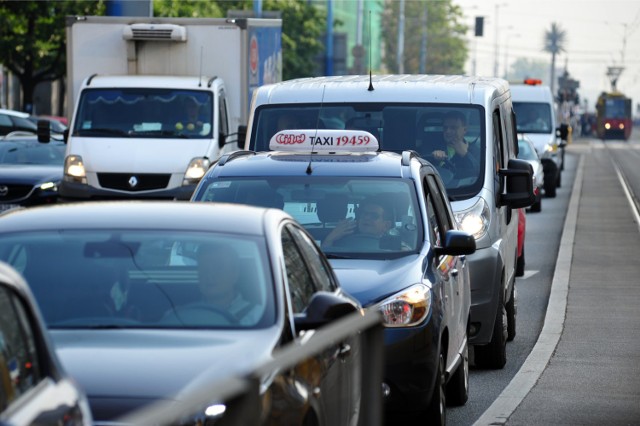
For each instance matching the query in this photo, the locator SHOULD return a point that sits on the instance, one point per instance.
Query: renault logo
(4, 190)
(133, 181)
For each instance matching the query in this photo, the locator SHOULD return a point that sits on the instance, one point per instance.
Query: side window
(19, 368)
(318, 267)
(434, 229)
(440, 203)
(300, 282)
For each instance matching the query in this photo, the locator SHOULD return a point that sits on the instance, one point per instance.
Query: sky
(599, 34)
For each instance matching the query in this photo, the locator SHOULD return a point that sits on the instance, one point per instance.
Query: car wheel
(550, 185)
(494, 354)
(520, 264)
(559, 179)
(458, 386)
(437, 411)
(512, 311)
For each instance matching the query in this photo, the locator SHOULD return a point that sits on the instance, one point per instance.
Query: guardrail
(237, 401)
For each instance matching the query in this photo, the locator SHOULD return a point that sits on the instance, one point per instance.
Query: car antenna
(370, 89)
(309, 170)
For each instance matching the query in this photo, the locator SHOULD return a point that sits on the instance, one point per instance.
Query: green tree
(33, 39)
(446, 47)
(529, 68)
(186, 9)
(554, 40)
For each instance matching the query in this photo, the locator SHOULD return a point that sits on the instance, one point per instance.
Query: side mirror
(519, 176)
(242, 135)
(222, 139)
(323, 308)
(44, 131)
(457, 243)
(563, 132)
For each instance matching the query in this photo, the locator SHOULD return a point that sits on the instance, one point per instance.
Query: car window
(301, 286)
(315, 260)
(19, 368)
(440, 203)
(143, 279)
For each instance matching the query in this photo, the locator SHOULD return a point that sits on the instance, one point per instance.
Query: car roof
(157, 81)
(14, 113)
(175, 215)
(279, 163)
(391, 87)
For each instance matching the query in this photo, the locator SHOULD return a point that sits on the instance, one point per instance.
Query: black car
(34, 388)
(141, 298)
(30, 171)
(384, 221)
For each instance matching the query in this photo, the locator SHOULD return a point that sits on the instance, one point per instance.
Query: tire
(437, 410)
(550, 186)
(512, 311)
(520, 264)
(558, 179)
(458, 386)
(494, 354)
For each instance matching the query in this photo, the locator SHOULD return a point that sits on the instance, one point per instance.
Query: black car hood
(371, 281)
(29, 173)
(121, 370)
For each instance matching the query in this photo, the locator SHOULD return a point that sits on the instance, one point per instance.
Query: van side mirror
(242, 135)
(519, 176)
(563, 132)
(44, 131)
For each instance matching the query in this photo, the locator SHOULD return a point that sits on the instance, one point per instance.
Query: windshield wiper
(102, 131)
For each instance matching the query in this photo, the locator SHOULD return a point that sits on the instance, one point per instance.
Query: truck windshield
(451, 136)
(144, 113)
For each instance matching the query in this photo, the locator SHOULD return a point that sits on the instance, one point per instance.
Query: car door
(441, 221)
(31, 390)
(307, 273)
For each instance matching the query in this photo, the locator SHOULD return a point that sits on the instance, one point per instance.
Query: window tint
(317, 266)
(19, 368)
(301, 286)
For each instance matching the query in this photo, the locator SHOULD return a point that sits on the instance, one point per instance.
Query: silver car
(527, 152)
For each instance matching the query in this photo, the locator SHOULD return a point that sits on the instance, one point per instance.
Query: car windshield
(31, 152)
(451, 136)
(526, 151)
(382, 214)
(533, 117)
(145, 279)
(144, 113)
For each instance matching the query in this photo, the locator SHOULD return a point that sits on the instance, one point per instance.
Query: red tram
(613, 116)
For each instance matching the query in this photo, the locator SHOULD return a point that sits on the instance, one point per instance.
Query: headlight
(74, 169)
(196, 169)
(49, 186)
(475, 220)
(408, 308)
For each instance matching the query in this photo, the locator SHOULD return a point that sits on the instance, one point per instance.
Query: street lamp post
(496, 48)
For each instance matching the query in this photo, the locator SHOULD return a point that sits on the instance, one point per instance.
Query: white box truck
(154, 101)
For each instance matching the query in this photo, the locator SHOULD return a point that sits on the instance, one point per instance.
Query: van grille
(143, 182)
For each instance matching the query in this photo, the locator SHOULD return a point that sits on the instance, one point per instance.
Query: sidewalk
(585, 367)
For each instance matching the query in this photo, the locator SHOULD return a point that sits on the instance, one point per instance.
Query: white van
(410, 112)
(536, 118)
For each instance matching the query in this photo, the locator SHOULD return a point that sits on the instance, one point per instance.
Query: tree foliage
(554, 41)
(446, 47)
(33, 39)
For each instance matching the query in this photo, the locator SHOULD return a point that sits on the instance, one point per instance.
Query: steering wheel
(358, 241)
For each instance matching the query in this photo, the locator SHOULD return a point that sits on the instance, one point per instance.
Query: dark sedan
(34, 388)
(30, 171)
(143, 297)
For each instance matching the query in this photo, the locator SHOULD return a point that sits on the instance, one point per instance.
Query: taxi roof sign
(324, 140)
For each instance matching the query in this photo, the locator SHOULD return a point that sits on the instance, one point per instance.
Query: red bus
(613, 116)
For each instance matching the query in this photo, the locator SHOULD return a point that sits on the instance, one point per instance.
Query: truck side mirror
(519, 176)
(563, 132)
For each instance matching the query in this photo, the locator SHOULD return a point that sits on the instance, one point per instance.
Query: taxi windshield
(110, 279)
(451, 136)
(355, 216)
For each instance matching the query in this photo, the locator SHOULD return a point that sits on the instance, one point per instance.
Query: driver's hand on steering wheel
(343, 228)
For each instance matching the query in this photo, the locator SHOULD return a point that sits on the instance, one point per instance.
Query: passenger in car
(219, 270)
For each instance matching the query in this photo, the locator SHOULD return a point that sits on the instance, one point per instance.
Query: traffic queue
(397, 203)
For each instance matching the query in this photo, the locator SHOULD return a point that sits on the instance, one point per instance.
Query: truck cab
(144, 137)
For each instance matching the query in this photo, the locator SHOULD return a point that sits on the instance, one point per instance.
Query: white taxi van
(421, 113)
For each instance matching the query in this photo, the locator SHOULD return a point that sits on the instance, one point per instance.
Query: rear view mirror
(323, 308)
